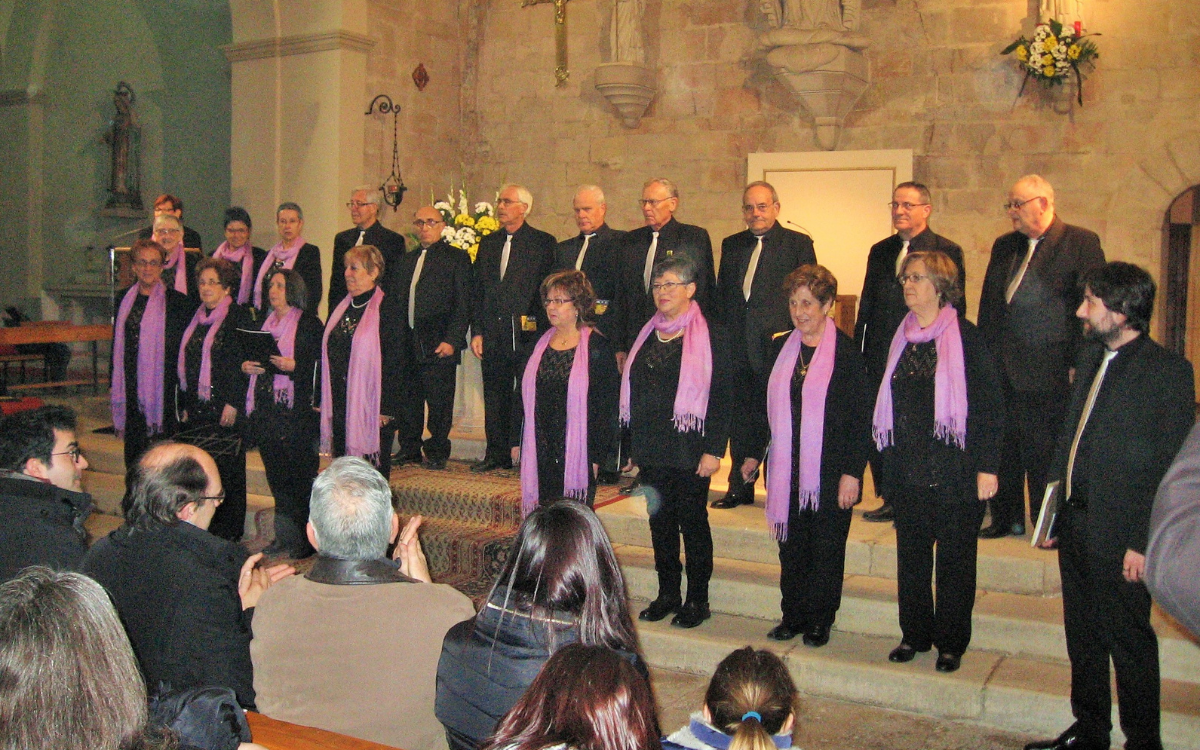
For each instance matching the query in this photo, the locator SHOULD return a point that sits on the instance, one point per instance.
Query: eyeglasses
(209, 282)
(147, 263)
(419, 223)
(168, 231)
(507, 202)
(914, 278)
(651, 202)
(557, 301)
(358, 204)
(906, 205)
(749, 208)
(1015, 205)
(75, 452)
(667, 286)
(218, 499)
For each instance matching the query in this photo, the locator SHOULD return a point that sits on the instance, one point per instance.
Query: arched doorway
(1181, 275)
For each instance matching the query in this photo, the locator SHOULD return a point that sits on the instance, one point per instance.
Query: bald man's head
(173, 482)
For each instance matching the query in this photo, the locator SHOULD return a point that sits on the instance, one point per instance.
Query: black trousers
(1106, 616)
(741, 432)
(1031, 425)
(812, 563)
(432, 384)
(682, 512)
(500, 368)
(287, 443)
(925, 518)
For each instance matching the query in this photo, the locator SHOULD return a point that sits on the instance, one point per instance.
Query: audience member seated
(42, 502)
(186, 597)
(70, 678)
(750, 705)
(585, 698)
(560, 584)
(352, 646)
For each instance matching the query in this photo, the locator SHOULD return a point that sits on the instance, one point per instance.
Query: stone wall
(939, 87)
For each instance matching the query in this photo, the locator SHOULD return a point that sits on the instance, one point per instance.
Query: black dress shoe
(1071, 739)
(947, 662)
(993, 531)
(436, 464)
(783, 632)
(883, 513)
(743, 495)
(691, 614)
(658, 609)
(490, 464)
(633, 485)
(608, 477)
(905, 653)
(816, 636)
(400, 459)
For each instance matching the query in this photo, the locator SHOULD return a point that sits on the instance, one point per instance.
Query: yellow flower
(473, 251)
(1073, 52)
(1051, 42)
(1048, 61)
(1022, 53)
(487, 224)
(1048, 71)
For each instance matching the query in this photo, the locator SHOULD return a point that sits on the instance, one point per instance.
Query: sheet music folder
(1045, 523)
(259, 346)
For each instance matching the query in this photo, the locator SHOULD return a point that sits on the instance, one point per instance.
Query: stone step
(1014, 693)
(1007, 565)
(1018, 624)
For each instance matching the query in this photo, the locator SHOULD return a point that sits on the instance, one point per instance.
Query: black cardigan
(228, 381)
(309, 331)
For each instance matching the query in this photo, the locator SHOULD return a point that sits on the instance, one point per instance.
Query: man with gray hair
(353, 645)
(365, 205)
(593, 251)
(508, 317)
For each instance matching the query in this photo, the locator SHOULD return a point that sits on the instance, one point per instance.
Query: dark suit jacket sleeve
(706, 278)
(866, 302)
(211, 615)
(853, 406)
(456, 331)
(392, 345)
(604, 384)
(308, 265)
(720, 394)
(760, 428)
(309, 333)
(337, 277)
(985, 403)
(1173, 551)
(956, 254)
(1090, 255)
(229, 383)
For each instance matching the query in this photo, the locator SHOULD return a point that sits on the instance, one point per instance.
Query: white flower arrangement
(464, 229)
(1054, 52)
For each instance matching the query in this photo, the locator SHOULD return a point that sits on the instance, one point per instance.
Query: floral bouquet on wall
(465, 228)
(1054, 53)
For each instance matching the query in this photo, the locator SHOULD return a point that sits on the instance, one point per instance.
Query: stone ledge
(298, 44)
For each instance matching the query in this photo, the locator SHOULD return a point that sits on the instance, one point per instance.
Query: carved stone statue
(125, 137)
(1065, 11)
(807, 34)
(626, 31)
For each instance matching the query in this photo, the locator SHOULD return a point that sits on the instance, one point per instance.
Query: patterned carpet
(470, 521)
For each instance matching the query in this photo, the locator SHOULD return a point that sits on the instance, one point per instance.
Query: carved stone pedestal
(629, 87)
(830, 92)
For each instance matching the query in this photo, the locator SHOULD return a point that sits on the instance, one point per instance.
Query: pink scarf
(245, 256)
(949, 380)
(283, 329)
(577, 470)
(364, 382)
(285, 256)
(695, 371)
(177, 260)
(151, 359)
(812, 427)
(213, 319)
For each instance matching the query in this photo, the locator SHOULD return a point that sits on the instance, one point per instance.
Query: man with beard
(1132, 407)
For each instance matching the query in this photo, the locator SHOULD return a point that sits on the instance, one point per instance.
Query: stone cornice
(298, 44)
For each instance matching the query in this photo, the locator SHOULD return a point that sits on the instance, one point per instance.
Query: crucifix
(560, 38)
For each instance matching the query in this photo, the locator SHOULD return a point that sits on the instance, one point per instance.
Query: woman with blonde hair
(750, 705)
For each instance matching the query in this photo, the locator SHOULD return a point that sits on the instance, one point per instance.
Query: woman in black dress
(938, 421)
(279, 406)
(212, 388)
(818, 412)
(675, 395)
(292, 251)
(362, 364)
(237, 249)
(562, 417)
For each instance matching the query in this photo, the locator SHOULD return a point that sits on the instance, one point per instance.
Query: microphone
(116, 237)
(802, 229)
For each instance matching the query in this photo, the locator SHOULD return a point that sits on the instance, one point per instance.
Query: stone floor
(834, 725)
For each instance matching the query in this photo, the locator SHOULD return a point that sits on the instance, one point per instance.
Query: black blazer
(846, 440)
(391, 245)
(604, 386)
(191, 238)
(985, 417)
(498, 305)
(308, 265)
(309, 331)
(1142, 414)
(393, 349)
(751, 323)
(881, 306)
(637, 304)
(228, 381)
(1036, 338)
(600, 267)
(443, 304)
(179, 313)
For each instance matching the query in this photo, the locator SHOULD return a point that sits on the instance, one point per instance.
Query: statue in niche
(808, 34)
(125, 139)
(626, 31)
(1067, 12)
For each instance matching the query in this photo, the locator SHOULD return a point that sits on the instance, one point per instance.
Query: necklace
(672, 337)
(359, 307)
(804, 365)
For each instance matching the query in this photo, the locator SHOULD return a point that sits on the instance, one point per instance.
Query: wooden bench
(22, 360)
(57, 332)
(274, 734)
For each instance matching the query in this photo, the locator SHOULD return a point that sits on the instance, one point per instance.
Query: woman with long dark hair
(585, 698)
(938, 422)
(560, 584)
(750, 704)
(562, 421)
(279, 409)
(212, 388)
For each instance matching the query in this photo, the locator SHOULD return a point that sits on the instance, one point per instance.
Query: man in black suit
(365, 204)
(753, 307)
(1030, 292)
(167, 204)
(507, 313)
(433, 286)
(881, 306)
(1131, 408)
(642, 248)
